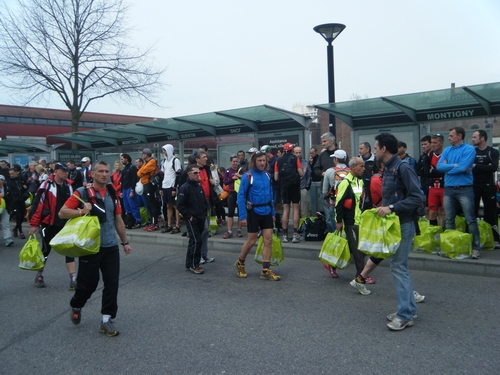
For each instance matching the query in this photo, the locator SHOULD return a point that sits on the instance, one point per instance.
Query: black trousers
(20, 208)
(107, 260)
(48, 233)
(154, 205)
(195, 229)
(487, 192)
(352, 236)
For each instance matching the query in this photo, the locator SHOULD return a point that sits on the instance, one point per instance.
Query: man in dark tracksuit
(484, 168)
(193, 207)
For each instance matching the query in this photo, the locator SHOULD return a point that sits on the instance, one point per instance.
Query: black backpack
(287, 169)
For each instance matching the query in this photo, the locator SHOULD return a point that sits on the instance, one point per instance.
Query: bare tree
(76, 49)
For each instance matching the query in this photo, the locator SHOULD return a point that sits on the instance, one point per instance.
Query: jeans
(329, 212)
(463, 196)
(5, 225)
(401, 274)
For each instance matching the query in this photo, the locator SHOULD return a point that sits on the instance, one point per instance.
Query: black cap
(61, 166)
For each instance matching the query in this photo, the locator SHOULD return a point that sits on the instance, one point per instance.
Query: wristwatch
(391, 207)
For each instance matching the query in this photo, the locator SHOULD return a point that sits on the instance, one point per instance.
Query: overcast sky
(237, 53)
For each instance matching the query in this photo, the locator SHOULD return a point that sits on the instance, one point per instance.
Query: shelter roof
(229, 122)
(467, 101)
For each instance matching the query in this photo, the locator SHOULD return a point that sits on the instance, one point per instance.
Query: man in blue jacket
(256, 210)
(456, 163)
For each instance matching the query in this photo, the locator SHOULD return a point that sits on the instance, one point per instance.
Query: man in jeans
(456, 163)
(401, 195)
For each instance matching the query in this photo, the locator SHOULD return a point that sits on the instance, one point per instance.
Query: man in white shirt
(171, 167)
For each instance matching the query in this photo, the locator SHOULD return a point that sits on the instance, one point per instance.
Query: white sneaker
(418, 297)
(475, 254)
(285, 239)
(295, 238)
(393, 316)
(360, 287)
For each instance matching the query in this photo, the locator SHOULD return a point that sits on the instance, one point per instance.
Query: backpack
(90, 196)
(177, 174)
(287, 168)
(339, 175)
(399, 179)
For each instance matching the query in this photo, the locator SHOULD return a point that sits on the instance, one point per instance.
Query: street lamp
(329, 31)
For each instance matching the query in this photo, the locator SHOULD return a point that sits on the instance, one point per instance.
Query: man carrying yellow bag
(49, 199)
(107, 260)
(400, 194)
(348, 211)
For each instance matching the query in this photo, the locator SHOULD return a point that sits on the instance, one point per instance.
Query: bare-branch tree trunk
(76, 49)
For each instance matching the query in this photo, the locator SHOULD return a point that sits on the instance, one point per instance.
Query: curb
(488, 265)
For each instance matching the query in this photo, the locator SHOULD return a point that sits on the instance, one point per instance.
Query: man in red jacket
(51, 197)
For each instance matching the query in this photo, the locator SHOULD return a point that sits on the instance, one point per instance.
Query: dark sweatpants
(107, 260)
(195, 229)
(352, 236)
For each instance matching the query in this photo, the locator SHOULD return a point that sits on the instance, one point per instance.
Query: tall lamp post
(329, 31)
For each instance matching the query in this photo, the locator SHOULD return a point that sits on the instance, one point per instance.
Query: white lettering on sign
(450, 114)
(188, 135)
(234, 131)
(131, 142)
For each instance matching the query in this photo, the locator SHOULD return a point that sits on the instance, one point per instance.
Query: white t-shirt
(169, 172)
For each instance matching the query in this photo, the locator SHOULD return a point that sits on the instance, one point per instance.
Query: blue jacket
(260, 192)
(463, 156)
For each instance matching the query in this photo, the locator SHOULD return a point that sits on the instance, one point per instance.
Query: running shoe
(39, 282)
(269, 275)
(398, 324)
(332, 271)
(418, 297)
(360, 287)
(108, 328)
(240, 269)
(76, 315)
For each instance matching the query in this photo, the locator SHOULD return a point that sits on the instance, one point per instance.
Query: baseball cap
(339, 154)
(265, 148)
(288, 147)
(85, 159)
(147, 151)
(61, 166)
(252, 150)
(2, 177)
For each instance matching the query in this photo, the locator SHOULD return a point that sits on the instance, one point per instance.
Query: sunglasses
(437, 135)
(194, 172)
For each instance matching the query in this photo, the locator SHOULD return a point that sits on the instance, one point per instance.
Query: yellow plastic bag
(335, 251)
(80, 236)
(379, 236)
(460, 223)
(214, 227)
(277, 256)
(428, 241)
(486, 235)
(31, 256)
(455, 244)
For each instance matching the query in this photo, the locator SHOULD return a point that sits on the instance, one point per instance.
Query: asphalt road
(174, 322)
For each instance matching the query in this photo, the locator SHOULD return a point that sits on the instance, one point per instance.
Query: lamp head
(329, 31)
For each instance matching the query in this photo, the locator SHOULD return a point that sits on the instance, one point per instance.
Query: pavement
(487, 265)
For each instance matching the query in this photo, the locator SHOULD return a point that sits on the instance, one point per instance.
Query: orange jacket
(147, 171)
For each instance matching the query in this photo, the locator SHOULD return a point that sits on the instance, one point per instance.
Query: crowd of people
(268, 188)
